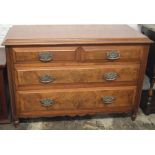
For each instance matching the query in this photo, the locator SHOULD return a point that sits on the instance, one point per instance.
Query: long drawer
(76, 74)
(77, 53)
(107, 98)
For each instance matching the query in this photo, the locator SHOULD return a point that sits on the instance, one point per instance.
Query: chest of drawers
(73, 70)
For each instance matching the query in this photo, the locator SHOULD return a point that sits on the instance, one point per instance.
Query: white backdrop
(135, 26)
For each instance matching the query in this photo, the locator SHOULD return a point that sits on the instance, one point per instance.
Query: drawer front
(43, 54)
(111, 53)
(72, 53)
(76, 74)
(75, 99)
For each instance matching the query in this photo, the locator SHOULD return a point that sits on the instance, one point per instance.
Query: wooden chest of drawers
(75, 69)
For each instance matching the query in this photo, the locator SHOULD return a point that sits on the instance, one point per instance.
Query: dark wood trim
(4, 96)
(140, 82)
(11, 83)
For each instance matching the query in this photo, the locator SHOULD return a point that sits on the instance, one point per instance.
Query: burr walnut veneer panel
(75, 74)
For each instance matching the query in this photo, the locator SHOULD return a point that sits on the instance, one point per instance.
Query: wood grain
(140, 81)
(72, 34)
(12, 88)
(75, 99)
(75, 74)
(31, 54)
(98, 53)
(71, 53)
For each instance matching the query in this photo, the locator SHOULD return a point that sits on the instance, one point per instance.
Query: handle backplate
(110, 76)
(108, 99)
(45, 56)
(46, 102)
(46, 79)
(113, 55)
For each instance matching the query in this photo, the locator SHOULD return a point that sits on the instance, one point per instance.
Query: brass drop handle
(108, 99)
(113, 55)
(46, 79)
(110, 76)
(46, 102)
(45, 56)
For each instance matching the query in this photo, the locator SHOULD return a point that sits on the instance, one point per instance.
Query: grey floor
(99, 122)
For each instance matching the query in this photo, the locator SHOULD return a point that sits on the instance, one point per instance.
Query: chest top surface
(72, 34)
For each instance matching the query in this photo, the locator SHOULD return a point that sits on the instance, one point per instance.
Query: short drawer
(107, 98)
(43, 54)
(76, 74)
(111, 53)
